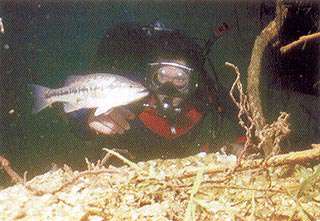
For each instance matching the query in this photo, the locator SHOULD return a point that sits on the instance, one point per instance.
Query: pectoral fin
(69, 107)
(103, 110)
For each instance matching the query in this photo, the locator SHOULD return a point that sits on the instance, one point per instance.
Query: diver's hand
(115, 122)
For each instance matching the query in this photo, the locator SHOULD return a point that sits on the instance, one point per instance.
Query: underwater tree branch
(1, 26)
(270, 32)
(291, 158)
(5, 164)
(302, 40)
(260, 135)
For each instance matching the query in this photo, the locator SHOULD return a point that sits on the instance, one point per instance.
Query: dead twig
(93, 169)
(275, 161)
(104, 160)
(101, 163)
(245, 115)
(72, 181)
(272, 134)
(266, 137)
(5, 164)
(1, 26)
(302, 40)
(125, 160)
(243, 188)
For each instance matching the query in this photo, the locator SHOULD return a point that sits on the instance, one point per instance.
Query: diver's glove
(115, 122)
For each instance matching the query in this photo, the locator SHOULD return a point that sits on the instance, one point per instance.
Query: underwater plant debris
(284, 187)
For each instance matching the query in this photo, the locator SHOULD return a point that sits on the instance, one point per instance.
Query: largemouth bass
(101, 91)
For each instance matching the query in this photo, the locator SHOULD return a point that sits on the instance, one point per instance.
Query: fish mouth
(144, 91)
(142, 94)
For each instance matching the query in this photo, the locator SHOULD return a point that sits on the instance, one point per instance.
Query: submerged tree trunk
(268, 34)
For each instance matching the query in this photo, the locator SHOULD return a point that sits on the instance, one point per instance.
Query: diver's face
(174, 77)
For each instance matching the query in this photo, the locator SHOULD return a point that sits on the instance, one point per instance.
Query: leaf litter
(192, 188)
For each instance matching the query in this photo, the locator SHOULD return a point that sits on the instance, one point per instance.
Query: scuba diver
(186, 105)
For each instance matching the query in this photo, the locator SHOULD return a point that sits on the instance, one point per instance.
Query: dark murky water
(44, 42)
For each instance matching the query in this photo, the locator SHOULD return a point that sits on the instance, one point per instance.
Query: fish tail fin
(40, 100)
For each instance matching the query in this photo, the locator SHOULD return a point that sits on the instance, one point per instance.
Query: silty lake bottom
(44, 42)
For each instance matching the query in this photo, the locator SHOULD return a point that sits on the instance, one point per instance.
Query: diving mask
(171, 84)
(169, 77)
